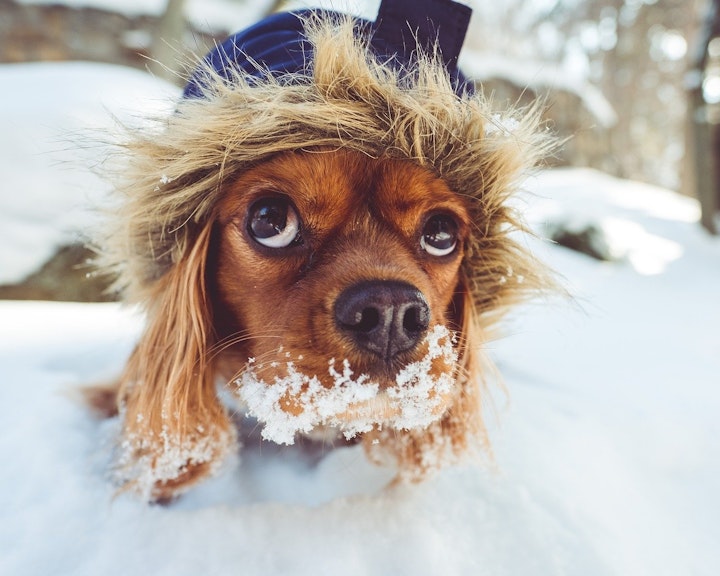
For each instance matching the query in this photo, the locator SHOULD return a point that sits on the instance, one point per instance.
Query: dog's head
(339, 276)
(335, 246)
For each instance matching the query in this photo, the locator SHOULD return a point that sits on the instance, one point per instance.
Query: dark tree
(703, 133)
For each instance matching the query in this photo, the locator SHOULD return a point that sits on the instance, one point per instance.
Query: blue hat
(278, 46)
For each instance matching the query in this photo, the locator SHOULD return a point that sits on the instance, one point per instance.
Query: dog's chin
(287, 400)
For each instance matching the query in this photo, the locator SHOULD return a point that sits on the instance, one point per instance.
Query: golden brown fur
(365, 153)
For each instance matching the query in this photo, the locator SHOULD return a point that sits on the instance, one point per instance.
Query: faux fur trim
(176, 170)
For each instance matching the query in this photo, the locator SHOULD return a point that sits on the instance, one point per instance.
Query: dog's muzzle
(383, 317)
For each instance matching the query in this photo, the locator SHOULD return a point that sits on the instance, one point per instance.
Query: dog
(330, 242)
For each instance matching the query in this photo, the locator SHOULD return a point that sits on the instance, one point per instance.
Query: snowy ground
(56, 121)
(606, 444)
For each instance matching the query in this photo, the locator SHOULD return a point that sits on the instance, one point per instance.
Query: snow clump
(297, 402)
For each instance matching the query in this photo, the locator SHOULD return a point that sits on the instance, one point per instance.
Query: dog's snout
(383, 317)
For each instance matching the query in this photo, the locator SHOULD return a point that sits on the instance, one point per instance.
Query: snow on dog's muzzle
(297, 402)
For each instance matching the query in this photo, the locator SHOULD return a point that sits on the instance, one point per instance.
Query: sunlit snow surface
(57, 122)
(605, 442)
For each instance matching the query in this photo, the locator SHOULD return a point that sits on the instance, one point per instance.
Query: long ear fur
(175, 430)
(418, 453)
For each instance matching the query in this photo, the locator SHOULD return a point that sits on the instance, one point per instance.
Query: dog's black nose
(384, 317)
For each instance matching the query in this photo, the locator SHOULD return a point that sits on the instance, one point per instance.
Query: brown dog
(333, 251)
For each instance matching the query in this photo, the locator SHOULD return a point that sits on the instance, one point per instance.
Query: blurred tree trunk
(168, 41)
(702, 168)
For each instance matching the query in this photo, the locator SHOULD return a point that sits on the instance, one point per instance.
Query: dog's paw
(165, 467)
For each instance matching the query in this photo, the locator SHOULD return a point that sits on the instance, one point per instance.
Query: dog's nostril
(367, 320)
(416, 319)
(383, 317)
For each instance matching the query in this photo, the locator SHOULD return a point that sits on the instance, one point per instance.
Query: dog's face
(329, 261)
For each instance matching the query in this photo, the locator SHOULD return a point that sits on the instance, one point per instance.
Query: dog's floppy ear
(418, 453)
(175, 430)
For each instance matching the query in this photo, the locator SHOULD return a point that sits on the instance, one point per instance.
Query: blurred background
(634, 85)
(606, 433)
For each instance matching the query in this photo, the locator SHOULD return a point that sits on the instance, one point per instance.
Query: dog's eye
(273, 222)
(439, 236)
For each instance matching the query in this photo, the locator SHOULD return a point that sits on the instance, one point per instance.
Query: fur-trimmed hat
(329, 81)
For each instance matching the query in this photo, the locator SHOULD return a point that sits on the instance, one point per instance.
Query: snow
(605, 438)
(228, 15)
(540, 76)
(211, 15)
(128, 7)
(629, 229)
(354, 403)
(56, 119)
(367, 9)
